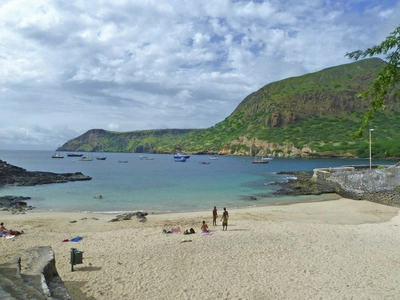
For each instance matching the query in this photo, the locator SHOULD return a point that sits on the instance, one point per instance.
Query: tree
(386, 83)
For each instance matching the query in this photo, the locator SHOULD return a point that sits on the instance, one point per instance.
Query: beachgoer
(14, 232)
(204, 227)
(215, 216)
(2, 228)
(225, 217)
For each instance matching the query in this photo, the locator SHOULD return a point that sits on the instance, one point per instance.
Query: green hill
(310, 115)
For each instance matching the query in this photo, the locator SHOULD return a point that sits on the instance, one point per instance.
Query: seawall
(380, 185)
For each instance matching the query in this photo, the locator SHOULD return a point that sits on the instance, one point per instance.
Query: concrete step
(33, 275)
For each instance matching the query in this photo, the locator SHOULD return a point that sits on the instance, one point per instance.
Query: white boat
(266, 158)
(213, 157)
(142, 156)
(56, 155)
(86, 158)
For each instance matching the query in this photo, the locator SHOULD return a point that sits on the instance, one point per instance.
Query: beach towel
(76, 239)
(206, 233)
(177, 229)
(10, 236)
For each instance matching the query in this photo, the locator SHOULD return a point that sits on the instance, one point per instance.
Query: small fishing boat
(204, 162)
(180, 159)
(122, 161)
(101, 157)
(86, 158)
(55, 155)
(260, 161)
(73, 154)
(180, 155)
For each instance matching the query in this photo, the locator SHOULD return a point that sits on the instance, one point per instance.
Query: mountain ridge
(290, 117)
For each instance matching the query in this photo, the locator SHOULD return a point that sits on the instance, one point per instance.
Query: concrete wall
(360, 183)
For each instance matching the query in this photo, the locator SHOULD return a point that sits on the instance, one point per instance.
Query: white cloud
(128, 65)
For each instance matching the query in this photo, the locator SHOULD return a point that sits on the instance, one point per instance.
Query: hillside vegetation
(312, 115)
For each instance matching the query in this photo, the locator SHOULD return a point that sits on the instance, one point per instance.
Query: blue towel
(76, 239)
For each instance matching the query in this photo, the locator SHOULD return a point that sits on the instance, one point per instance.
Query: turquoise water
(159, 185)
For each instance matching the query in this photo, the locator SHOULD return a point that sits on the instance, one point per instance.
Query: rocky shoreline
(301, 184)
(13, 175)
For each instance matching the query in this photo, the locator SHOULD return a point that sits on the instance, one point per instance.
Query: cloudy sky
(70, 66)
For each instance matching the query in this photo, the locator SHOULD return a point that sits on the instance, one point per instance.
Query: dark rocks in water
(249, 198)
(14, 204)
(127, 216)
(13, 175)
(302, 185)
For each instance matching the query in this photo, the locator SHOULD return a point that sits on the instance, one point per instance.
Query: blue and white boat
(179, 155)
(180, 159)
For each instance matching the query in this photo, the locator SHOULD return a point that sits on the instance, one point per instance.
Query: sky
(70, 66)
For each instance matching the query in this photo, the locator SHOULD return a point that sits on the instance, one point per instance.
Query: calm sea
(161, 184)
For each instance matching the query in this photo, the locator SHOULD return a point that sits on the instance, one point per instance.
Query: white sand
(340, 249)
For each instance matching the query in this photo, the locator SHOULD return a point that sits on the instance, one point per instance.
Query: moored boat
(179, 155)
(180, 159)
(86, 158)
(73, 154)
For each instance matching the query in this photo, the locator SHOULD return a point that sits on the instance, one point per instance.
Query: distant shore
(331, 250)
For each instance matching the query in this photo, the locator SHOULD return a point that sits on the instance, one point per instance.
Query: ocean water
(160, 185)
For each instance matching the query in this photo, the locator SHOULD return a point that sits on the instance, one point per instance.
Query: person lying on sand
(14, 232)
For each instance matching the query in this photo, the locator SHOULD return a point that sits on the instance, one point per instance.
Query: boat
(180, 159)
(122, 161)
(179, 155)
(213, 157)
(266, 158)
(86, 158)
(142, 156)
(55, 155)
(101, 157)
(73, 154)
(261, 161)
(204, 162)
(149, 158)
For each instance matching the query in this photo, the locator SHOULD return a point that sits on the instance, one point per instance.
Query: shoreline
(329, 249)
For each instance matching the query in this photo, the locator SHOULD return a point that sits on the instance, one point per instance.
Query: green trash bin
(76, 258)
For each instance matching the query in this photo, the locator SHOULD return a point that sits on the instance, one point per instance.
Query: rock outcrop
(13, 175)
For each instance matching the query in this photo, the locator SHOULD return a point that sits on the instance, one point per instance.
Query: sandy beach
(338, 249)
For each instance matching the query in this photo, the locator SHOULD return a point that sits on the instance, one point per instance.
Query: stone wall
(361, 183)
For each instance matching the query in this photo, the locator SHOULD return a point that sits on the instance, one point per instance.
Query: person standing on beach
(225, 217)
(215, 216)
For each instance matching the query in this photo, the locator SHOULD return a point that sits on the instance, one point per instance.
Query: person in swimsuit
(204, 227)
(225, 217)
(2, 228)
(215, 216)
